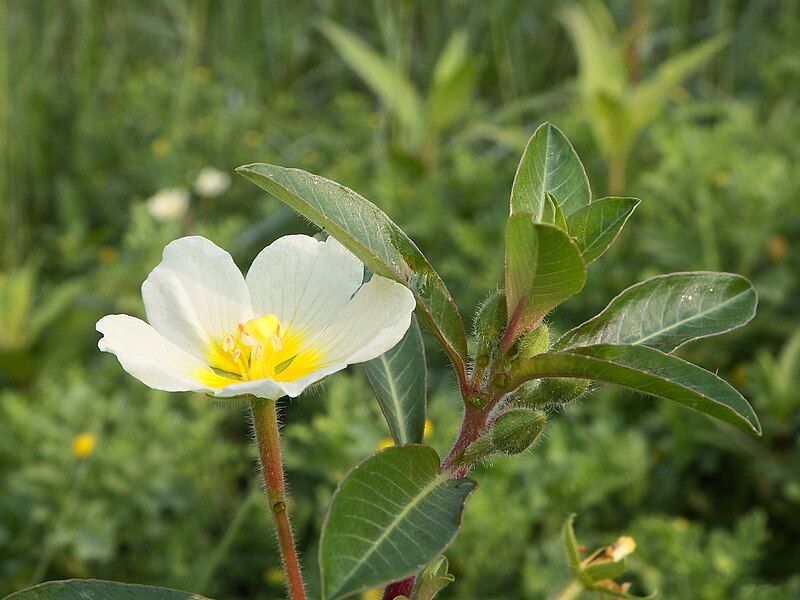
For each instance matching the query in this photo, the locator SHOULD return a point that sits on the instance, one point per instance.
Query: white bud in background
(211, 182)
(168, 204)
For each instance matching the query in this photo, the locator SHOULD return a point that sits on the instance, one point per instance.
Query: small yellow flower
(428, 430)
(374, 594)
(83, 444)
(384, 443)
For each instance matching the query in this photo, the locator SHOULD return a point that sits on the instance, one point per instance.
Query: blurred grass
(103, 103)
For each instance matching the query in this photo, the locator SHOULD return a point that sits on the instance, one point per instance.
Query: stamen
(258, 352)
(228, 344)
(277, 343)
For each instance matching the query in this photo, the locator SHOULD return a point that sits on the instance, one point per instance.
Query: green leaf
(391, 516)
(594, 227)
(553, 213)
(651, 372)
(432, 580)
(371, 235)
(549, 164)
(384, 78)
(93, 589)
(543, 268)
(571, 545)
(668, 311)
(398, 379)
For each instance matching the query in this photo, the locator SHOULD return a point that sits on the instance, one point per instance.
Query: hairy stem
(265, 427)
(473, 425)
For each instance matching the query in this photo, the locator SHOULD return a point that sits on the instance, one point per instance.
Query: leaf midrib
(391, 527)
(640, 341)
(393, 392)
(570, 353)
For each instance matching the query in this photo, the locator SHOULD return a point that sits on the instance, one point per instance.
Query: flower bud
(534, 342)
(549, 391)
(515, 430)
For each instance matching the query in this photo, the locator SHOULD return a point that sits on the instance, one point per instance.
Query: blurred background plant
(120, 122)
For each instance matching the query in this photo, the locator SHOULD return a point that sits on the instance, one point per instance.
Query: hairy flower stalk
(265, 427)
(303, 312)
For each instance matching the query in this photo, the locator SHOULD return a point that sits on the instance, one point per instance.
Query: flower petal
(375, 319)
(196, 295)
(149, 356)
(303, 281)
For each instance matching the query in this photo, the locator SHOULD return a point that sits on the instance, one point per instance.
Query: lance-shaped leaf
(375, 239)
(391, 516)
(549, 164)
(651, 372)
(398, 379)
(93, 589)
(543, 268)
(668, 311)
(594, 227)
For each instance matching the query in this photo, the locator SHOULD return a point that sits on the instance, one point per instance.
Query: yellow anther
(237, 354)
(258, 351)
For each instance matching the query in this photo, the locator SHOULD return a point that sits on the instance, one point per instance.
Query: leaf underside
(594, 227)
(398, 379)
(549, 164)
(668, 311)
(652, 372)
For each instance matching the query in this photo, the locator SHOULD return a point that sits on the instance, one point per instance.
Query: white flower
(168, 204)
(302, 313)
(211, 182)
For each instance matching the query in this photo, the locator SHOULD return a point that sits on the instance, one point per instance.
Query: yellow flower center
(261, 348)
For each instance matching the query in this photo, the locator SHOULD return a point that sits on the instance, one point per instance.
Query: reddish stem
(473, 426)
(265, 426)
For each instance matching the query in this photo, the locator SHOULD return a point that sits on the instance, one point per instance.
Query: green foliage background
(104, 103)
